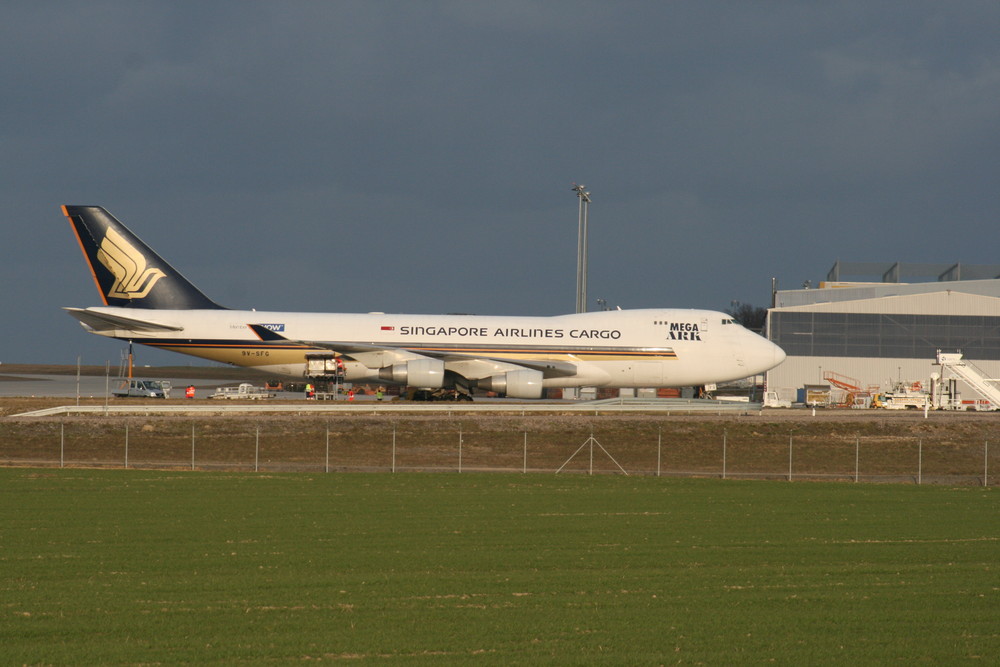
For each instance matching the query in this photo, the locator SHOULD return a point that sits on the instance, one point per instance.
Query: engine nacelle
(419, 373)
(515, 384)
(355, 371)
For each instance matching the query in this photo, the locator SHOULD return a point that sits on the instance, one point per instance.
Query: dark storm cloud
(407, 156)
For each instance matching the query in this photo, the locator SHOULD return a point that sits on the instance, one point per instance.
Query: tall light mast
(581, 248)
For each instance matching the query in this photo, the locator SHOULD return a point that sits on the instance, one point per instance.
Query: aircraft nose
(764, 355)
(779, 354)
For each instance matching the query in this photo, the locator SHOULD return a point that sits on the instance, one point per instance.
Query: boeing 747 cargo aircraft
(149, 302)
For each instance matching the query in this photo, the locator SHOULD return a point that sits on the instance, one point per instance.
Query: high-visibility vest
(189, 392)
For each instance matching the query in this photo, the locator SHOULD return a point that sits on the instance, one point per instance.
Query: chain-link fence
(501, 445)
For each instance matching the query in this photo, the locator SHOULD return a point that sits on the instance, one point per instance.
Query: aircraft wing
(471, 366)
(474, 366)
(98, 321)
(371, 355)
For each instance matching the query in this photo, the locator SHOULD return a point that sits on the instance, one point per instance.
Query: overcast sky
(417, 157)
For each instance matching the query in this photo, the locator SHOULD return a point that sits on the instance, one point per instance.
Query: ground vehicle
(245, 390)
(771, 400)
(903, 396)
(133, 388)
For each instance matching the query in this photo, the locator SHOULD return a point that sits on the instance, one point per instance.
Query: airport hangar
(883, 333)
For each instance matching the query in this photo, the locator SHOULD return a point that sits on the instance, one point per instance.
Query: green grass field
(133, 566)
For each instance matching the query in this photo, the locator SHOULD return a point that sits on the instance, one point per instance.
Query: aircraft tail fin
(129, 273)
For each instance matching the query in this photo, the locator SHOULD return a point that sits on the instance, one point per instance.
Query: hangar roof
(943, 302)
(891, 272)
(847, 292)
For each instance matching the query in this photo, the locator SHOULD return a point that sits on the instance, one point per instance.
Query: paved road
(90, 386)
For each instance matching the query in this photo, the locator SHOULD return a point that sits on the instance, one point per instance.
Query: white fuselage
(621, 348)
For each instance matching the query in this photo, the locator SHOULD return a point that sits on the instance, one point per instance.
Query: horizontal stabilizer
(106, 322)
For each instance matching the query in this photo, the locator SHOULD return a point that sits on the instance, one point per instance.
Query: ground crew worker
(378, 394)
(189, 392)
(350, 394)
(310, 391)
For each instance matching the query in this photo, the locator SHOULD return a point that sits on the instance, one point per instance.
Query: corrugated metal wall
(798, 371)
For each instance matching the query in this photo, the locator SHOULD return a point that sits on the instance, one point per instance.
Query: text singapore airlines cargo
(147, 301)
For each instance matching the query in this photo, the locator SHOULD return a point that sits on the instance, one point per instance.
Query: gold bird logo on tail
(133, 280)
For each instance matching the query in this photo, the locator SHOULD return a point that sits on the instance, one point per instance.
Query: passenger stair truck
(985, 387)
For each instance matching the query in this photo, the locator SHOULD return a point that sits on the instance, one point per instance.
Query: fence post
(62, 444)
(789, 458)
(256, 450)
(107, 385)
(459, 450)
(192, 446)
(394, 449)
(920, 461)
(659, 449)
(524, 466)
(724, 453)
(857, 449)
(591, 472)
(326, 467)
(986, 463)
(126, 446)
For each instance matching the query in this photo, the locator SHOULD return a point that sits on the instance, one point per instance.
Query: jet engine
(515, 384)
(420, 373)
